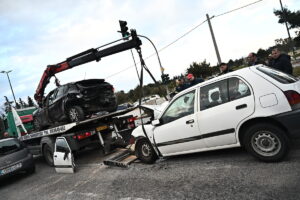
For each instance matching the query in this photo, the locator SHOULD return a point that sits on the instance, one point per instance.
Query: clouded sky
(36, 33)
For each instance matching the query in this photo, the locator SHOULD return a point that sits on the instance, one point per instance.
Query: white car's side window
(181, 107)
(213, 95)
(237, 89)
(222, 92)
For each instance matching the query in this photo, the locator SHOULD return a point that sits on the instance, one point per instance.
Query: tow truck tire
(75, 114)
(48, 150)
(145, 152)
(267, 142)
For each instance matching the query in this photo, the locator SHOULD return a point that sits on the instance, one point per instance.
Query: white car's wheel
(266, 142)
(145, 152)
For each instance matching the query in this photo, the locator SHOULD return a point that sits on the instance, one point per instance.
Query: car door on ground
(63, 157)
(178, 131)
(223, 105)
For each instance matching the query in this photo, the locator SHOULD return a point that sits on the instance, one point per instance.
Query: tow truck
(98, 128)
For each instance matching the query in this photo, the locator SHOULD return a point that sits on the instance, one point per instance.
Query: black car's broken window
(61, 92)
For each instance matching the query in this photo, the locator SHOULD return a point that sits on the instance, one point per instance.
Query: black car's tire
(266, 142)
(48, 154)
(145, 152)
(31, 170)
(75, 114)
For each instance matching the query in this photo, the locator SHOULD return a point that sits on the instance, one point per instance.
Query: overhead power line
(185, 34)
(236, 9)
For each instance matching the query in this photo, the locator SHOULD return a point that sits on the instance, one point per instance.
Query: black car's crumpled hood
(13, 157)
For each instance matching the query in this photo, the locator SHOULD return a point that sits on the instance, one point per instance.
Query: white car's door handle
(241, 106)
(189, 121)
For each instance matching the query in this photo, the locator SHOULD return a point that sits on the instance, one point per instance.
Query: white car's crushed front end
(138, 132)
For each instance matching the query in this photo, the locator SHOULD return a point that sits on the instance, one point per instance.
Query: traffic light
(124, 28)
(165, 78)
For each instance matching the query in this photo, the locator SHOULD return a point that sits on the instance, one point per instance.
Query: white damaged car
(256, 107)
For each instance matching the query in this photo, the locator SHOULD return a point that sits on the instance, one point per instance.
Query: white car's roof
(238, 72)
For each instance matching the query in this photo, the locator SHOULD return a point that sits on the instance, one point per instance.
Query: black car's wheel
(266, 142)
(145, 152)
(75, 114)
(48, 154)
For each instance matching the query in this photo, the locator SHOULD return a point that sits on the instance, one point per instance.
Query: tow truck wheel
(75, 114)
(145, 152)
(48, 154)
(266, 142)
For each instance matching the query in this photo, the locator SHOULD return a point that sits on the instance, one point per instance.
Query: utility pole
(287, 28)
(6, 72)
(214, 39)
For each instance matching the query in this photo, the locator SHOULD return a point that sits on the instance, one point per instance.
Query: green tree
(30, 102)
(122, 97)
(22, 103)
(202, 69)
(262, 54)
(293, 20)
(230, 63)
(7, 104)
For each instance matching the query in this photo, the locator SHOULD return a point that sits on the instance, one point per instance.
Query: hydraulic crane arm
(82, 58)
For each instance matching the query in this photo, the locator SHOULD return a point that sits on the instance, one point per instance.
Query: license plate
(101, 128)
(11, 169)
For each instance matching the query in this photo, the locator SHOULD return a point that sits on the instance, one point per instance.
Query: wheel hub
(146, 150)
(73, 114)
(266, 143)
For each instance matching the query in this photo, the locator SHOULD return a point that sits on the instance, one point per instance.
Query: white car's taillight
(293, 98)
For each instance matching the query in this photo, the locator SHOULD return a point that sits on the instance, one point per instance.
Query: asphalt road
(226, 174)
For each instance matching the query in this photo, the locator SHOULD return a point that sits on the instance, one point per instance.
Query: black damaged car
(75, 102)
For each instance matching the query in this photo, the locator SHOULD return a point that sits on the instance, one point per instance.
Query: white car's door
(223, 105)
(178, 131)
(63, 157)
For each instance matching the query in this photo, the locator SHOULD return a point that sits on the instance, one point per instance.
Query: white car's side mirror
(155, 122)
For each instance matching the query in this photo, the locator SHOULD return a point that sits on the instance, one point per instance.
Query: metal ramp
(120, 158)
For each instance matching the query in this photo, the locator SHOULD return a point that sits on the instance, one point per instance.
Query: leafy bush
(296, 71)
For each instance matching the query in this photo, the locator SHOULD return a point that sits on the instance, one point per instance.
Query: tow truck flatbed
(92, 122)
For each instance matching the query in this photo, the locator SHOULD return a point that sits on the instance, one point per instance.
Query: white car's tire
(145, 152)
(266, 142)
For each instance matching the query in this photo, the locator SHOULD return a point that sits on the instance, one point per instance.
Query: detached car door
(178, 131)
(223, 105)
(63, 157)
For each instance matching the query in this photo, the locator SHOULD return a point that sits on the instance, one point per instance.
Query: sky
(36, 33)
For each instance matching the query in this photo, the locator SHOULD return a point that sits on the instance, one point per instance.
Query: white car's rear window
(278, 75)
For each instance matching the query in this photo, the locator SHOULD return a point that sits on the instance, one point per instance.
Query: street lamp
(6, 72)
